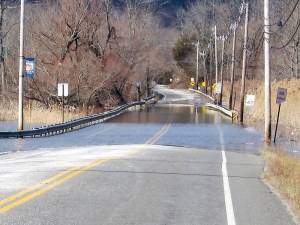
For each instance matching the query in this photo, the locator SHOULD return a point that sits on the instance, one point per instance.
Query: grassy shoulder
(38, 114)
(283, 173)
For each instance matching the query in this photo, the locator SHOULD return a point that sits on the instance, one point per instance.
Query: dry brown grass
(39, 114)
(8, 110)
(290, 111)
(283, 173)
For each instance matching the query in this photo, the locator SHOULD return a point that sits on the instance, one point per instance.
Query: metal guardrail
(205, 95)
(230, 113)
(73, 124)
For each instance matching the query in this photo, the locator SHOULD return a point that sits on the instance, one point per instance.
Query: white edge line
(227, 192)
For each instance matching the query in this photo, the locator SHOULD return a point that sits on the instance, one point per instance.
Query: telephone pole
(232, 68)
(20, 114)
(197, 72)
(216, 54)
(211, 69)
(268, 127)
(244, 65)
(222, 71)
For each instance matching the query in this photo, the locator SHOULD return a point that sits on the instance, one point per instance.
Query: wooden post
(279, 107)
(205, 73)
(216, 54)
(63, 103)
(211, 71)
(222, 71)
(232, 68)
(197, 66)
(244, 67)
(30, 113)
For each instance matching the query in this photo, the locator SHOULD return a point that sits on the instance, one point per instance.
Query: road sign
(192, 79)
(218, 88)
(281, 95)
(29, 67)
(250, 100)
(193, 83)
(214, 86)
(63, 90)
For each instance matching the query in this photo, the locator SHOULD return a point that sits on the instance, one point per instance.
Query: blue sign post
(29, 67)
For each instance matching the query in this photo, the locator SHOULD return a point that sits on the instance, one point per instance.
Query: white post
(197, 72)
(20, 115)
(268, 127)
(216, 54)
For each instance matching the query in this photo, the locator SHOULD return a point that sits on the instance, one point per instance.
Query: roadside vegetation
(198, 23)
(101, 50)
(283, 168)
(38, 114)
(289, 125)
(283, 173)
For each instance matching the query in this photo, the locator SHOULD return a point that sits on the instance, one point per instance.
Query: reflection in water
(191, 126)
(174, 114)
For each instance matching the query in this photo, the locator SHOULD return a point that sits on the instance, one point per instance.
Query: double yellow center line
(159, 134)
(44, 186)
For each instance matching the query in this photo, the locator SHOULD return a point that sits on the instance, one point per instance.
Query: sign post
(193, 83)
(138, 86)
(63, 91)
(281, 98)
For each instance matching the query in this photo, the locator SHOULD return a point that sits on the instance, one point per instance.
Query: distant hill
(165, 9)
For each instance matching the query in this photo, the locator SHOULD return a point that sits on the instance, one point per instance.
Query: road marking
(37, 190)
(227, 192)
(39, 185)
(159, 134)
(46, 185)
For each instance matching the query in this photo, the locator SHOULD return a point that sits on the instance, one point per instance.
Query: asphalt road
(174, 163)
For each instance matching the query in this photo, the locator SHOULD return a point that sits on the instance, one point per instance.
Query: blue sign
(29, 67)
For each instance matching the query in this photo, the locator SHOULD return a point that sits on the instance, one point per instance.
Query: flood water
(191, 125)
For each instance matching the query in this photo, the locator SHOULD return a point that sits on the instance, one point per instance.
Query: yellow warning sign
(214, 87)
(193, 83)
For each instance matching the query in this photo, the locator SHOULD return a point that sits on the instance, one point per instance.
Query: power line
(291, 38)
(290, 15)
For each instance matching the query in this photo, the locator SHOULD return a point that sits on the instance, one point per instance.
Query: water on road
(189, 124)
(133, 169)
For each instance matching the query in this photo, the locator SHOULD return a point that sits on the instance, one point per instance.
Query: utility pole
(216, 54)
(222, 71)
(20, 115)
(232, 68)
(244, 65)
(197, 72)
(211, 69)
(205, 71)
(297, 56)
(268, 127)
(3, 80)
(147, 81)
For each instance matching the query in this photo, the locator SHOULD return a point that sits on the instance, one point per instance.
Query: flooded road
(171, 163)
(190, 125)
